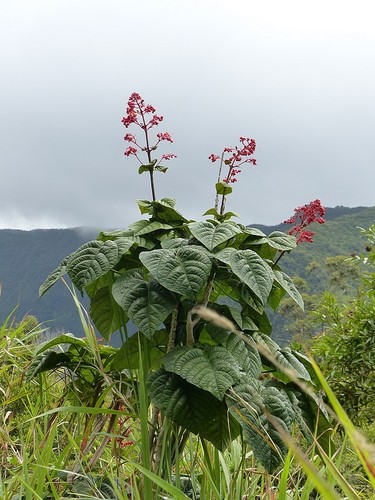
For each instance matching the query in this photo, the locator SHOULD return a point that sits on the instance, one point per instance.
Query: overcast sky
(297, 76)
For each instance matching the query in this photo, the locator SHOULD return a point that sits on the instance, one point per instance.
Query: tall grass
(53, 448)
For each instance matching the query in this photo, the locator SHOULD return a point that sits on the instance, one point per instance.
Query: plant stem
(172, 331)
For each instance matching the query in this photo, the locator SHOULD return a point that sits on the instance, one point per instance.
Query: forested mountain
(28, 257)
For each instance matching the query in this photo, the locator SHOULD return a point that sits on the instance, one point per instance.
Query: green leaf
(211, 235)
(213, 368)
(94, 259)
(277, 293)
(160, 168)
(127, 357)
(147, 168)
(243, 320)
(253, 405)
(284, 357)
(146, 302)
(247, 356)
(251, 269)
(144, 206)
(194, 409)
(163, 210)
(58, 273)
(222, 188)
(281, 241)
(253, 231)
(150, 227)
(66, 338)
(287, 284)
(129, 234)
(228, 215)
(106, 313)
(184, 271)
(48, 360)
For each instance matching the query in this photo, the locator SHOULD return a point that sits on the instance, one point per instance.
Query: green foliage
(156, 274)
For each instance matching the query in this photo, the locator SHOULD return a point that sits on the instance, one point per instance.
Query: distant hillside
(28, 257)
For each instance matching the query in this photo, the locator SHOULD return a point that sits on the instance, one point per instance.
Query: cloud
(298, 78)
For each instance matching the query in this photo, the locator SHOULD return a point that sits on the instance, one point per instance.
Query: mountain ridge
(28, 257)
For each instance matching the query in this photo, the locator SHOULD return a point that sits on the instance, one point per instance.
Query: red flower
(144, 116)
(130, 151)
(238, 155)
(168, 156)
(213, 157)
(164, 136)
(303, 217)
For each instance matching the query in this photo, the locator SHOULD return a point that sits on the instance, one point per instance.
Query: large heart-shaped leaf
(194, 409)
(146, 302)
(211, 235)
(282, 357)
(45, 361)
(256, 406)
(106, 313)
(184, 270)
(95, 258)
(251, 269)
(213, 368)
(247, 356)
(287, 284)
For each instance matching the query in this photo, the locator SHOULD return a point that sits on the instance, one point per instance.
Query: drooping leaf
(213, 368)
(256, 407)
(58, 273)
(95, 258)
(211, 235)
(276, 295)
(283, 357)
(45, 361)
(287, 284)
(193, 408)
(183, 271)
(106, 313)
(246, 355)
(251, 269)
(145, 301)
(66, 338)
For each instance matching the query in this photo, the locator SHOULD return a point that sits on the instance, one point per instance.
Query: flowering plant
(170, 277)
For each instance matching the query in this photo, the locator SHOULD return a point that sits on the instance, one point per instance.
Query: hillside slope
(28, 257)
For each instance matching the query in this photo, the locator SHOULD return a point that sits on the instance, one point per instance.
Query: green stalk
(143, 414)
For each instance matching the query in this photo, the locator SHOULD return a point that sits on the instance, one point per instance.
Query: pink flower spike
(164, 136)
(129, 138)
(213, 157)
(168, 156)
(130, 151)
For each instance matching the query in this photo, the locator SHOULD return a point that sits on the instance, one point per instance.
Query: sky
(298, 77)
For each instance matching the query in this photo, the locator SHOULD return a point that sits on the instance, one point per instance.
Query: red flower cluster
(137, 113)
(237, 156)
(303, 217)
